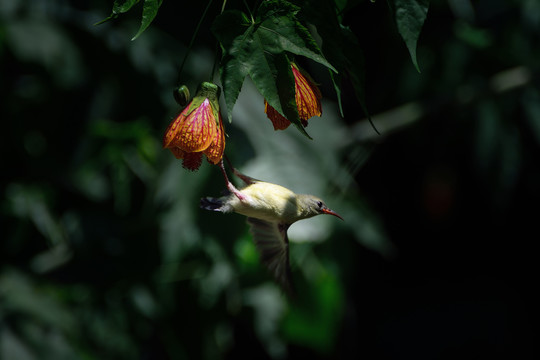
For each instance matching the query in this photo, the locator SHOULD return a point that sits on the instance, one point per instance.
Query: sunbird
(270, 209)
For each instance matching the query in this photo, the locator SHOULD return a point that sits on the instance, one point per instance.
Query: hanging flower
(198, 130)
(308, 100)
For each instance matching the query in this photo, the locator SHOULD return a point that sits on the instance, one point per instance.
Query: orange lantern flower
(198, 130)
(308, 100)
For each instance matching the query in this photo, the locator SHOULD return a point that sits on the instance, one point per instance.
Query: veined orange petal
(307, 97)
(278, 120)
(214, 152)
(172, 130)
(197, 131)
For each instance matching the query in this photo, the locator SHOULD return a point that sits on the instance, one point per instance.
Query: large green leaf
(230, 25)
(281, 31)
(410, 16)
(259, 48)
(233, 30)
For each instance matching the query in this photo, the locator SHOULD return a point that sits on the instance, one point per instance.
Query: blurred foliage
(104, 252)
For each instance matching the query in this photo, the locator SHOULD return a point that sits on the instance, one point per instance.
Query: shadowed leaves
(259, 48)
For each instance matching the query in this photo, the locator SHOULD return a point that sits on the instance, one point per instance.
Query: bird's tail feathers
(212, 204)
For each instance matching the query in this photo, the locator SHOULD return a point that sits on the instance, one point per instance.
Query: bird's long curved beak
(330, 212)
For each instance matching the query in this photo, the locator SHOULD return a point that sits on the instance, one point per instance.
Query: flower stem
(193, 39)
(216, 52)
(216, 55)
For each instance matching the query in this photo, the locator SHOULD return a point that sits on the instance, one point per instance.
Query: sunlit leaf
(410, 16)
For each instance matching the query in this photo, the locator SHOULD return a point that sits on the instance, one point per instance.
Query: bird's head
(315, 206)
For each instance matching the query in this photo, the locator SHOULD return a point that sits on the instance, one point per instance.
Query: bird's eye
(320, 204)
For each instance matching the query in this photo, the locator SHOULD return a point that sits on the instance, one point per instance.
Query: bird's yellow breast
(268, 202)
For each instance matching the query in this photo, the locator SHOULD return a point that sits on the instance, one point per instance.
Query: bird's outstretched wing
(272, 244)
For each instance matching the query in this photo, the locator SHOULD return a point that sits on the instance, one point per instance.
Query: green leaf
(228, 26)
(410, 16)
(355, 65)
(232, 29)
(336, 82)
(123, 6)
(280, 31)
(233, 73)
(259, 49)
(119, 7)
(150, 10)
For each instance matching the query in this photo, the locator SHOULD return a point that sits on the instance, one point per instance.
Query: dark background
(104, 253)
